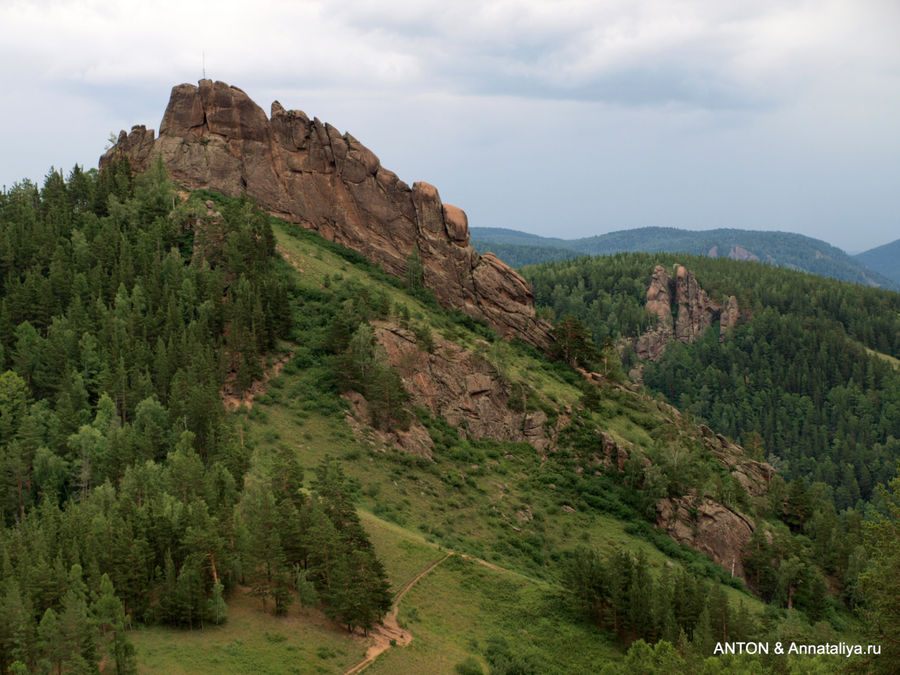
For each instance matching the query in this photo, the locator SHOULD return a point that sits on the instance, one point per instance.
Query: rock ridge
(683, 312)
(214, 136)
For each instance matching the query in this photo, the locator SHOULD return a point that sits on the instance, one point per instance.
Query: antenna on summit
(203, 56)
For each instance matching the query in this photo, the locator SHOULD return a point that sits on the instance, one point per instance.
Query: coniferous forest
(808, 379)
(126, 312)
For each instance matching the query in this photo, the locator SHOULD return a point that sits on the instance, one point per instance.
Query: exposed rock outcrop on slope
(460, 386)
(707, 527)
(214, 136)
(683, 312)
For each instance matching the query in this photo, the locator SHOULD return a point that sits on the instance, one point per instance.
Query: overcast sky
(562, 118)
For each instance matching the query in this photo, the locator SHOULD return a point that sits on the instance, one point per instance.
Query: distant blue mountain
(884, 259)
(784, 249)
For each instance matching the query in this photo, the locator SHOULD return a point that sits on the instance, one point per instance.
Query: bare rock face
(659, 296)
(729, 317)
(695, 312)
(460, 386)
(651, 344)
(754, 476)
(683, 311)
(415, 440)
(740, 253)
(707, 527)
(213, 136)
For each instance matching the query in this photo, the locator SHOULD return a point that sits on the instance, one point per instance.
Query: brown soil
(389, 630)
(234, 401)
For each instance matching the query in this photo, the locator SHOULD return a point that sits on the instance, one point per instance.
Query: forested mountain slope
(782, 249)
(399, 425)
(808, 375)
(126, 498)
(146, 504)
(884, 259)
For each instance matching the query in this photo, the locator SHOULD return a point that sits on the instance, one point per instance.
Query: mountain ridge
(783, 249)
(884, 259)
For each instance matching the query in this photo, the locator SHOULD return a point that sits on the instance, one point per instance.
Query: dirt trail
(466, 556)
(389, 629)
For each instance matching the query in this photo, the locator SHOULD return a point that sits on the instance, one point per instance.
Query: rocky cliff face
(460, 386)
(683, 311)
(213, 136)
(707, 527)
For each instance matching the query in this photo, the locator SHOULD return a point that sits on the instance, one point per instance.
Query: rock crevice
(683, 312)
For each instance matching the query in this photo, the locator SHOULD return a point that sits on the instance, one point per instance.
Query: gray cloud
(570, 117)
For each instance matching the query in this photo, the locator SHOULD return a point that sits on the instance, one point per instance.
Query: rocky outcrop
(728, 319)
(753, 476)
(740, 253)
(415, 439)
(683, 312)
(695, 312)
(735, 253)
(305, 171)
(707, 527)
(651, 344)
(462, 387)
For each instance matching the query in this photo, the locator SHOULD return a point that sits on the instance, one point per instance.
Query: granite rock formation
(306, 172)
(708, 527)
(461, 386)
(683, 312)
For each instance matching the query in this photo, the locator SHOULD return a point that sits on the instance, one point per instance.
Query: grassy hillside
(501, 503)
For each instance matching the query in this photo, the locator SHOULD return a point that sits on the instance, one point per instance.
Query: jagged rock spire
(214, 136)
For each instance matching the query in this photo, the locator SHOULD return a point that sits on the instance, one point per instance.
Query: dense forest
(884, 260)
(809, 377)
(125, 313)
(519, 255)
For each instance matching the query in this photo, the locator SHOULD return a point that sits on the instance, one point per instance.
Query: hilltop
(305, 171)
(884, 259)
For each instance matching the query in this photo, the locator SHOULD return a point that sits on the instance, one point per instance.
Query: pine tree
(14, 622)
(107, 609)
(265, 566)
(52, 644)
(216, 609)
(77, 626)
(880, 582)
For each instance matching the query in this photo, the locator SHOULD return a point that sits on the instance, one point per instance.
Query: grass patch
(251, 641)
(457, 609)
